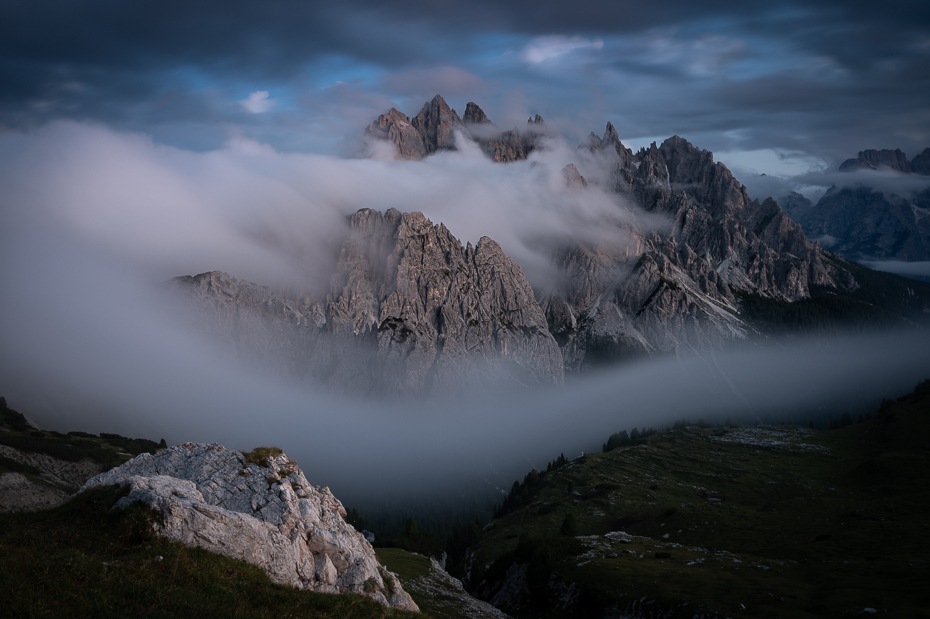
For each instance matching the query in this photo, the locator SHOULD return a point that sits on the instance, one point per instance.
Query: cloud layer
(824, 78)
(96, 220)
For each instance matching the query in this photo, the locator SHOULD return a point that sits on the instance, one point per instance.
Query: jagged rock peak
(573, 177)
(686, 163)
(409, 311)
(265, 513)
(610, 133)
(436, 123)
(921, 163)
(610, 143)
(475, 115)
(875, 159)
(397, 128)
(431, 130)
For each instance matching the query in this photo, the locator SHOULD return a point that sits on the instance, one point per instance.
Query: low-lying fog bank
(95, 222)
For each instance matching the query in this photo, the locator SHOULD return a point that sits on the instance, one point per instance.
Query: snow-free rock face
(267, 514)
(669, 280)
(433, 129)
(921, 163)
(409, 311)
(865, 223)
(885, 159)
(878, 159)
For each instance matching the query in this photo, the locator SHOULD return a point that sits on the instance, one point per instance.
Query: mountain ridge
(866, 223)
(409, 310)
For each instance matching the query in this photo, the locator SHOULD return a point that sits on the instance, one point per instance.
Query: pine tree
(569, 526)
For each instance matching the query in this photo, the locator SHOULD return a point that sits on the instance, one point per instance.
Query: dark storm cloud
(827, 77)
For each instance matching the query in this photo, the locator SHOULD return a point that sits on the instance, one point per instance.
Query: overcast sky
(775, 87)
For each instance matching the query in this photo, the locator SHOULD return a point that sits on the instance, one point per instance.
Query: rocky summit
(436, 125)
(670, 279)
(409, 311)
(866, 223)
(885, 159)
(692, 241)
(265, 513)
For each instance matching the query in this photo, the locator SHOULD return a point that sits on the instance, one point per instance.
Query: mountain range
(411, 310)
(867, 223)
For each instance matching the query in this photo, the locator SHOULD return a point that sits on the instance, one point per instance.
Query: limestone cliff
(868, 223)
(264, 513)
(669, 281)
(409, 311)
(433, 129)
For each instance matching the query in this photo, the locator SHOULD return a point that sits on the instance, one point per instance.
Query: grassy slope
(81, 560)
(797, 534)
(109, 451)
(433, 594)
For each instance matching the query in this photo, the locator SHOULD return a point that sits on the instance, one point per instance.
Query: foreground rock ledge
(268, 515)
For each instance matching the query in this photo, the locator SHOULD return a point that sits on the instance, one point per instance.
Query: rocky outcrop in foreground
(265, 513)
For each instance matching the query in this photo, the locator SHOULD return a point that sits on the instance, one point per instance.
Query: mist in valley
(96, 221)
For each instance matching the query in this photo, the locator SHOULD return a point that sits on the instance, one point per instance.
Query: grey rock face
(268, 515)
(17, 493)
(475, 115)
(669, 286)
(409, 311)
(861, 223)
(664, 286)
(513, 145)
(447, 595)
(433, 129)
(573, 177)
(436, 122)
(921, 163)
(397, 128)
(875, 159)
(796, 205)
(865, 224)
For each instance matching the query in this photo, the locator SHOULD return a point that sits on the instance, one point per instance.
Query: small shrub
(388, 582)
(260, 455)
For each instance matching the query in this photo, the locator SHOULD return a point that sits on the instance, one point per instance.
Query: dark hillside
(83, 560)
(771, 521)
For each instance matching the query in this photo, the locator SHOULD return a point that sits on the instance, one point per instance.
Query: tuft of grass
(83, 560)
(260, 455)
